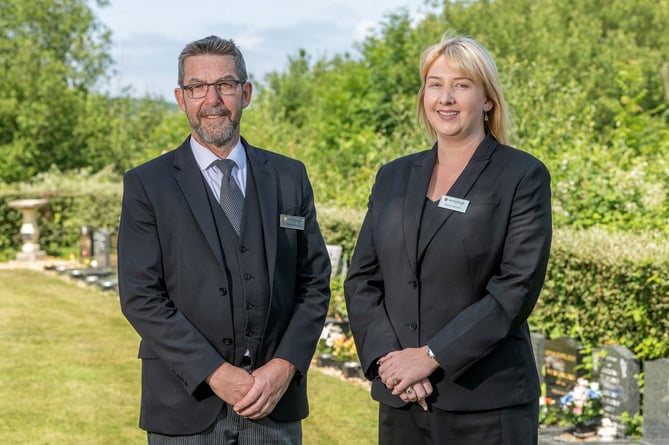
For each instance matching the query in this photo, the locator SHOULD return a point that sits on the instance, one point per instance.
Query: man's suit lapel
(460, 189)
(268, 189)
(190, 181)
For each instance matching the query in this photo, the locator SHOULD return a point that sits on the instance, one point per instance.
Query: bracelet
(431, 355)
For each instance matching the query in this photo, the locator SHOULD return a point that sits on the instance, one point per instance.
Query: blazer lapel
(189, 178)
(414, 199)
(460, 189)
(268, 198)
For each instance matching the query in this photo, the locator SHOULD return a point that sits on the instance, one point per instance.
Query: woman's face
(454, 103)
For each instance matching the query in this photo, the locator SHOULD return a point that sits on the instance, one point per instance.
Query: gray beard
(218, 138)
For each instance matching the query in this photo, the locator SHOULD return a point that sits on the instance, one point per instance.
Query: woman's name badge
(455, 204)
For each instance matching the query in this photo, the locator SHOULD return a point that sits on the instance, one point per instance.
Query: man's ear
(247, 92)
(179, 96)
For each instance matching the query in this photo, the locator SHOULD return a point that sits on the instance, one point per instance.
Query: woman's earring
(485, 116)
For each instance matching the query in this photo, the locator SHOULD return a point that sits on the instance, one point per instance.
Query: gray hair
(213, 45)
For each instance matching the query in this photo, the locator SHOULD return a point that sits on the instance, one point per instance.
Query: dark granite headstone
(617, 370)
(656, 402)
(538, 343)
(563, 359)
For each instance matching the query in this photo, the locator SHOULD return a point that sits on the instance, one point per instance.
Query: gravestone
(656, 402)
(101, 248)
(85, 244)
(617, 370)
(563, 359)
(100, 259)
(538, 344)
(113, 254)
(336, 259)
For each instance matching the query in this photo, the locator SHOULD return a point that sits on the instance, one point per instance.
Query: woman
(448, 266)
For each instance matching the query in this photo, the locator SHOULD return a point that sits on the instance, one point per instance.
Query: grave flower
(344, 349)
(326, 341)
(582, 406)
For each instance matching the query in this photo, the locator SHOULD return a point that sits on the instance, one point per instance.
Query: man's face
(215, 117)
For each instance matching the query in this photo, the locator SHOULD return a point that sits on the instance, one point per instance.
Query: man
(224, 274)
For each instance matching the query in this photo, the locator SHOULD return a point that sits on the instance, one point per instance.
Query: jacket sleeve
(364, 292)
(513, 290)
(145, 302)
(311, 285)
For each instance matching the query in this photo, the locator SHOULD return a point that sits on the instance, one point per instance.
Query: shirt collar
(204, 157)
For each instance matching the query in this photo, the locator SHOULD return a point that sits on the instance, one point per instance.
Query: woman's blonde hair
(469, 56)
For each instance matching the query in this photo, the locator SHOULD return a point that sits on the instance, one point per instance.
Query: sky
(147, 37)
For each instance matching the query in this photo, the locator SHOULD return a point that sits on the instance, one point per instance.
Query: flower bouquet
(582, 407)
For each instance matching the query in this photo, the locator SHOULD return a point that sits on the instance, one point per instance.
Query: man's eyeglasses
(227, 87)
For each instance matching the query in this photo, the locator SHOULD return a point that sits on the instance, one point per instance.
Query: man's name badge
(455, 204)
(291, 222)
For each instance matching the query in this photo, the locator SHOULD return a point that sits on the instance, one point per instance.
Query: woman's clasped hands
(406, 374)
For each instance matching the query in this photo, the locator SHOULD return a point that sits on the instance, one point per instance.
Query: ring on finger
(409, 391)
(394, 380)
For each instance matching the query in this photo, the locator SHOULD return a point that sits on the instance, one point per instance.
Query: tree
(52, 52)
(583, 81)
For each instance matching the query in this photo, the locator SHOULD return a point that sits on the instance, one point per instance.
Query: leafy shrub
(75, 199)
(607, 288)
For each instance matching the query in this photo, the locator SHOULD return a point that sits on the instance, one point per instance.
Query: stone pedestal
(30, 251)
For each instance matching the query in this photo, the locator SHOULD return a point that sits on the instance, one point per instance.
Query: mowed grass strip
(68, 367)
(69, 372)
(340, 413)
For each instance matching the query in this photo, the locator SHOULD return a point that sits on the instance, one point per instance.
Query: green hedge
(607, 288)
(74, 200)
(601, 287)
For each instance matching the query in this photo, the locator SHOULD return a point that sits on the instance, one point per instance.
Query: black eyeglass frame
(189, 89)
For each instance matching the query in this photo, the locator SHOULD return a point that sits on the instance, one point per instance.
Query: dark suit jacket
(172, 284)
(467, 289)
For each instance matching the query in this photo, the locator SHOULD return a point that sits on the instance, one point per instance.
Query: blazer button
(413, 285)
(248, 276)
(223, 291)
(227, 341)
(249, 333)
(413, 326)
(249, 306)
(242, 249)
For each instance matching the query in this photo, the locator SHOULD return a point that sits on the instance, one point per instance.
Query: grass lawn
(69, 373)
(340, 413)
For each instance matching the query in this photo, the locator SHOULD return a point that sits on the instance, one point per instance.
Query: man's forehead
(209, 64)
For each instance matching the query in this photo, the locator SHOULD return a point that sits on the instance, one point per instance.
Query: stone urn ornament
(30, 251)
